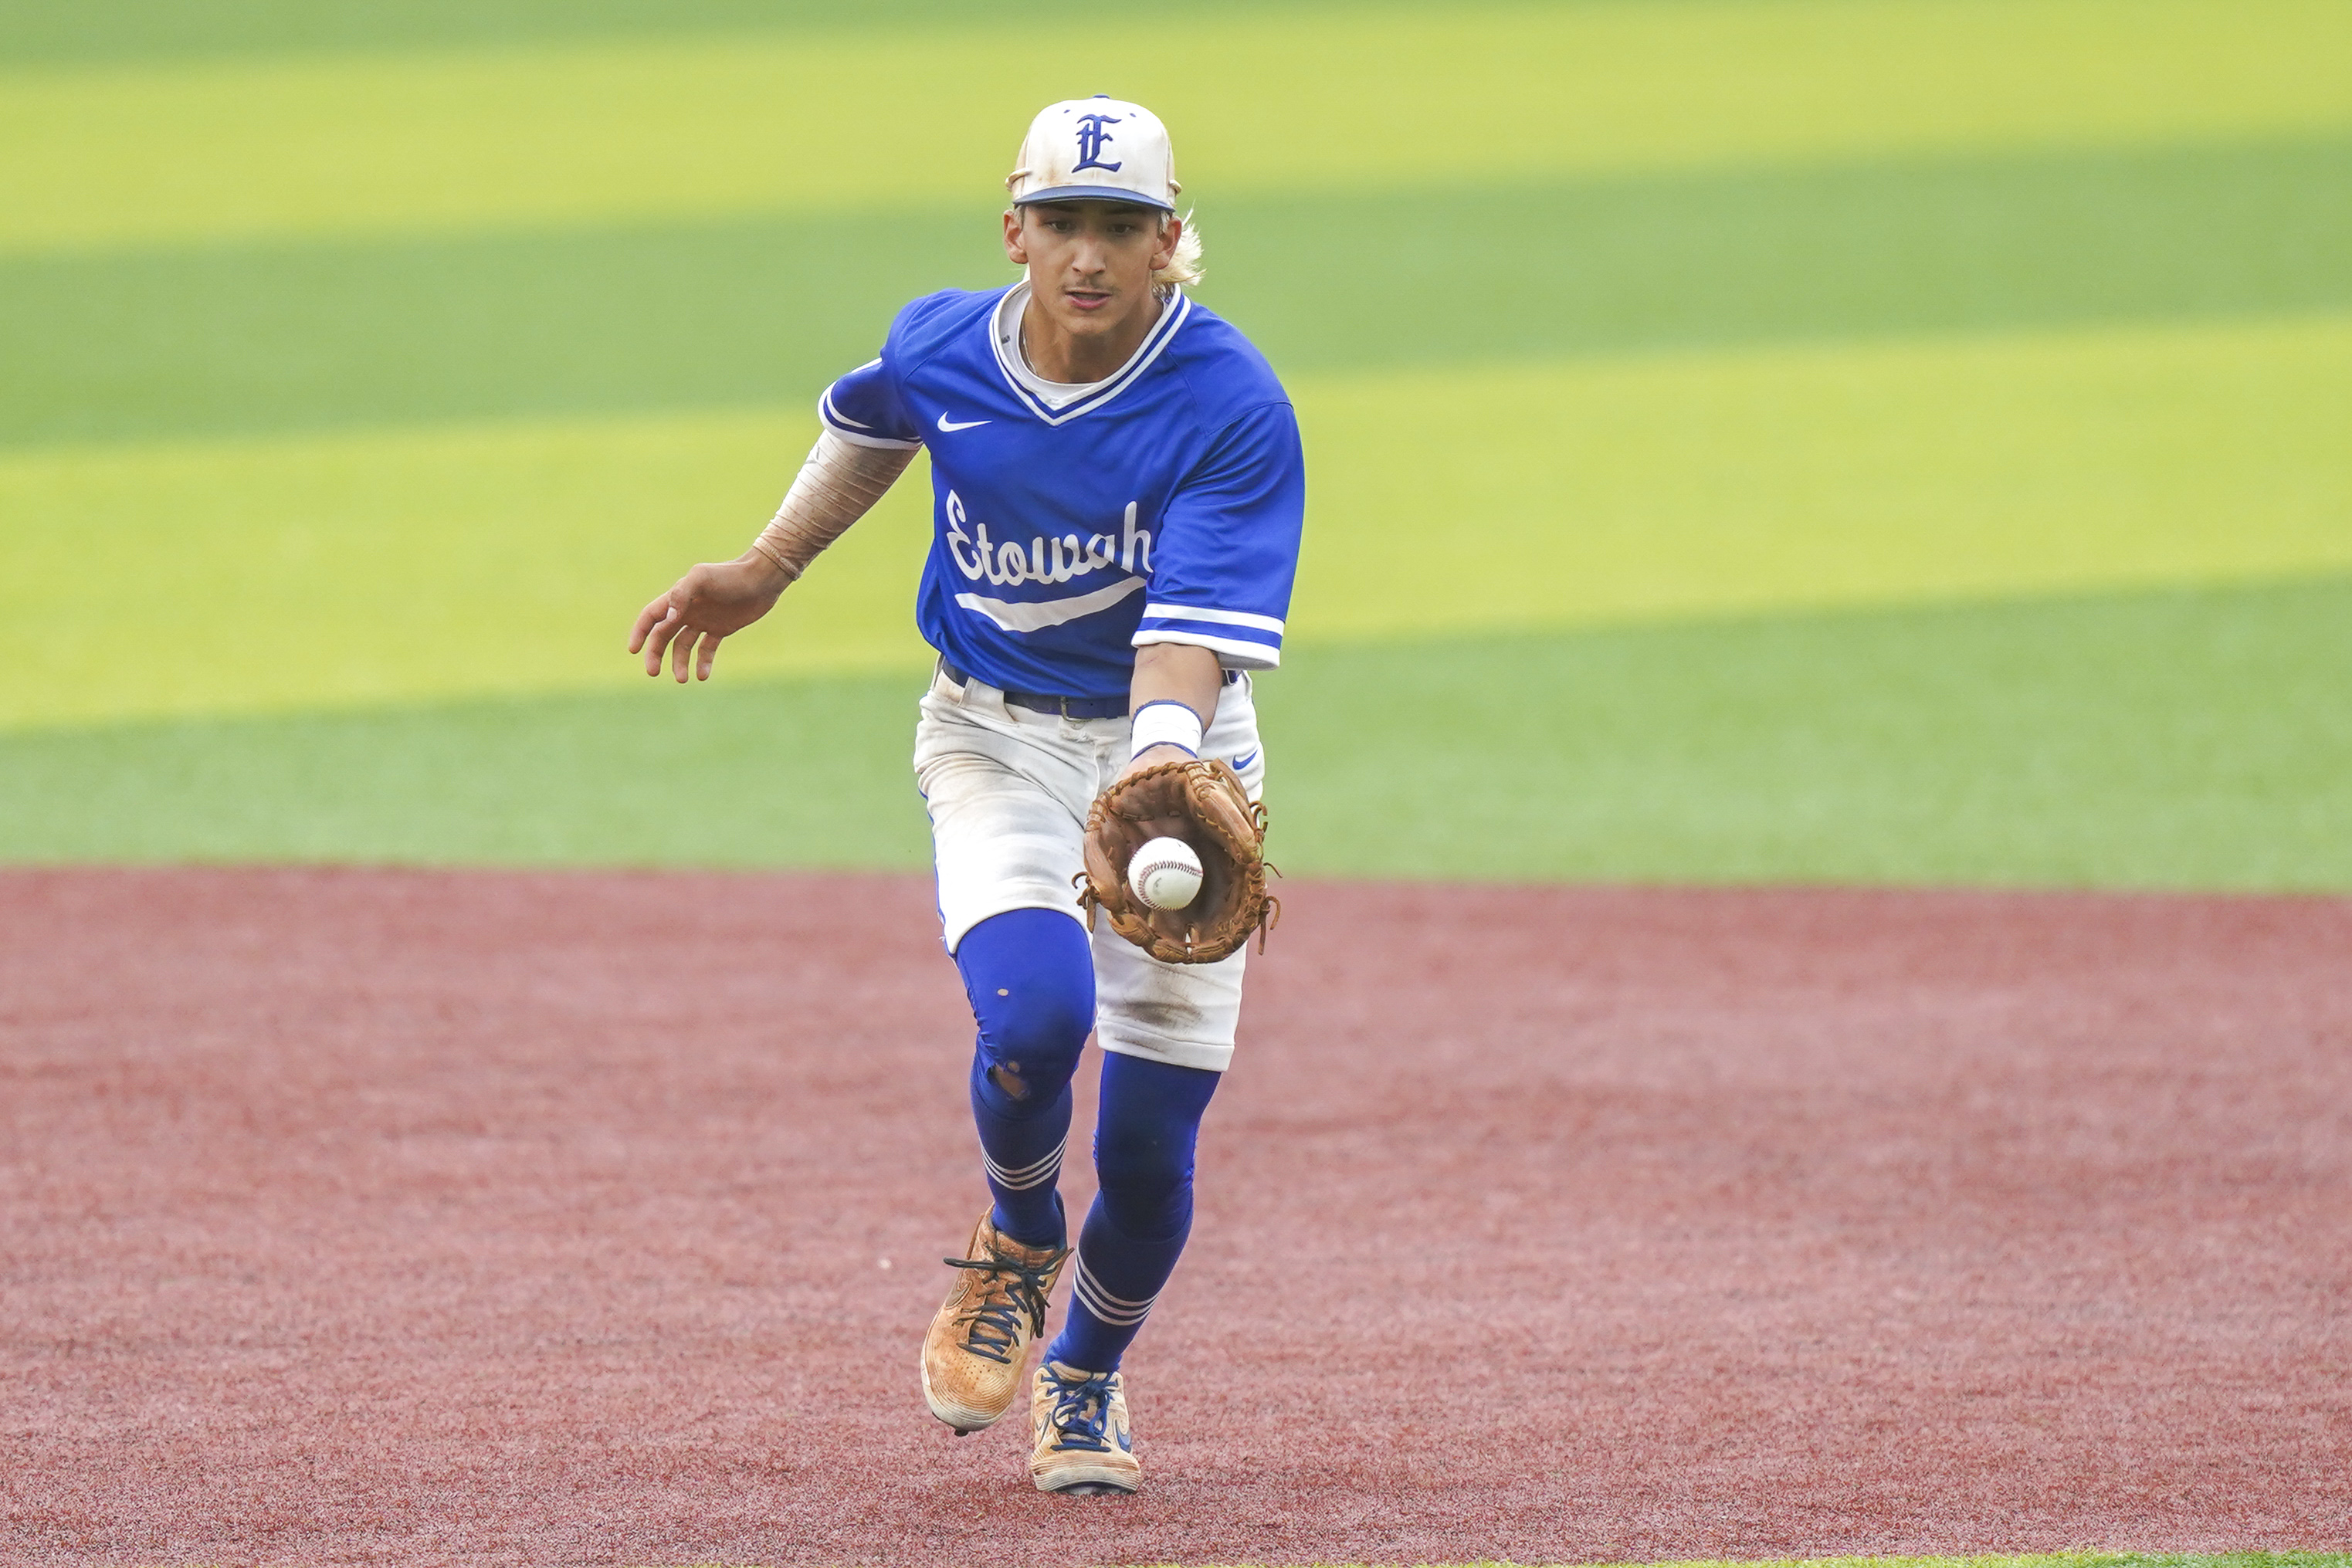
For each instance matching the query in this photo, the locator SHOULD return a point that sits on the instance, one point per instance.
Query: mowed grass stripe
(260, 574)
(89, 31)
(1266, 101)
(1698, 260)
(387, 567)
(2183, 739)
(240, 339)
(2187, 740)
(1763, 479)
(310, 335)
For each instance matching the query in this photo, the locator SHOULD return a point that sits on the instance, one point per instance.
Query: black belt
(1068, 708)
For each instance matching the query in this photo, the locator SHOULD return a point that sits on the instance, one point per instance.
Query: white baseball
(1165, 873)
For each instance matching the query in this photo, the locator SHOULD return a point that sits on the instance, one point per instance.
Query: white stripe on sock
(1116, 1311)
(1027, 1176)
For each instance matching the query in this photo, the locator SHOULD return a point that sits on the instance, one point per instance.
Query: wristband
(1166, 723)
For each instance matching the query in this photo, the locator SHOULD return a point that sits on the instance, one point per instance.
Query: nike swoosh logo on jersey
(946, 424)
(1244, 761)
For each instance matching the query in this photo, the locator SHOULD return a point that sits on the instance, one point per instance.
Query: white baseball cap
(1098, 149)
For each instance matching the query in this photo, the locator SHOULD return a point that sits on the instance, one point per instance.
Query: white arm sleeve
(838, 484)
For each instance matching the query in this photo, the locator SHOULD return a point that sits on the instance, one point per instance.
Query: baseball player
(1118, 489)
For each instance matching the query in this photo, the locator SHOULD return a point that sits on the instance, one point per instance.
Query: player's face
(1090, 263)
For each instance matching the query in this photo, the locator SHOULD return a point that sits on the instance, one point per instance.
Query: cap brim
(1093, 194)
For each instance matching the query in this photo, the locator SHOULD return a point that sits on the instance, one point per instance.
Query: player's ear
(1172, 233)
(1014, 249)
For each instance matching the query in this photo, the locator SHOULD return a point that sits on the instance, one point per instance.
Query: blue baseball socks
(1029, 975)
(1144, 1143)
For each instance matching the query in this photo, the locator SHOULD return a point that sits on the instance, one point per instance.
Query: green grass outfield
(1880, 440)
(2193, 738)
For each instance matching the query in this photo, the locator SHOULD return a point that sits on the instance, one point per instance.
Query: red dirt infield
(429, 1218)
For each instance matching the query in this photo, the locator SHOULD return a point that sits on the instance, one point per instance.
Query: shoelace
(995, 1328)
(1082, 1413)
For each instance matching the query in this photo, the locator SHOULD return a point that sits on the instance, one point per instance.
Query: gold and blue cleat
(979, 1340)
(1081, 1443)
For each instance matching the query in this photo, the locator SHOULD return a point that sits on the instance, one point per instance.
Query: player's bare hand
(712, 602)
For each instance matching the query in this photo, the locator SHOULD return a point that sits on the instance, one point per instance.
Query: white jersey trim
(1233, 655)
(850, 430)
(1039, 614)
(1007, 349)
(1218, 616)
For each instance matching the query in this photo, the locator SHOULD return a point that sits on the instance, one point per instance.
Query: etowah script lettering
(1043, 559)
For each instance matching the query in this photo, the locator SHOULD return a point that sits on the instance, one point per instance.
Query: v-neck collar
(1021, 379)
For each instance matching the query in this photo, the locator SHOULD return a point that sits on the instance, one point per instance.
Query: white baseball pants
(1008, 789)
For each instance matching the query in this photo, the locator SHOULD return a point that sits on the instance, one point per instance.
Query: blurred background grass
(1885, 440)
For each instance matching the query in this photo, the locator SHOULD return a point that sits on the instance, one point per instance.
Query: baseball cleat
(1082, 1446)
(979, 1340)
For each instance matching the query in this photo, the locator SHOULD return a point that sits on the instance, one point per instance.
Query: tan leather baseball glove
(1203, 803)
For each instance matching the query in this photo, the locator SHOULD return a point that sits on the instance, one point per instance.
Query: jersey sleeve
(864, 407)
(1228, 548)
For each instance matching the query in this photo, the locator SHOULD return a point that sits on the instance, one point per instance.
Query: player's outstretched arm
(713, 600)
(1176, 673)
(838, 484)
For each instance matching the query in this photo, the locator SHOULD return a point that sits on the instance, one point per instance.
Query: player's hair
(1186, 266)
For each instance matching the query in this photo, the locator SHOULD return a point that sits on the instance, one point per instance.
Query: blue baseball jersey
(1162, 505)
